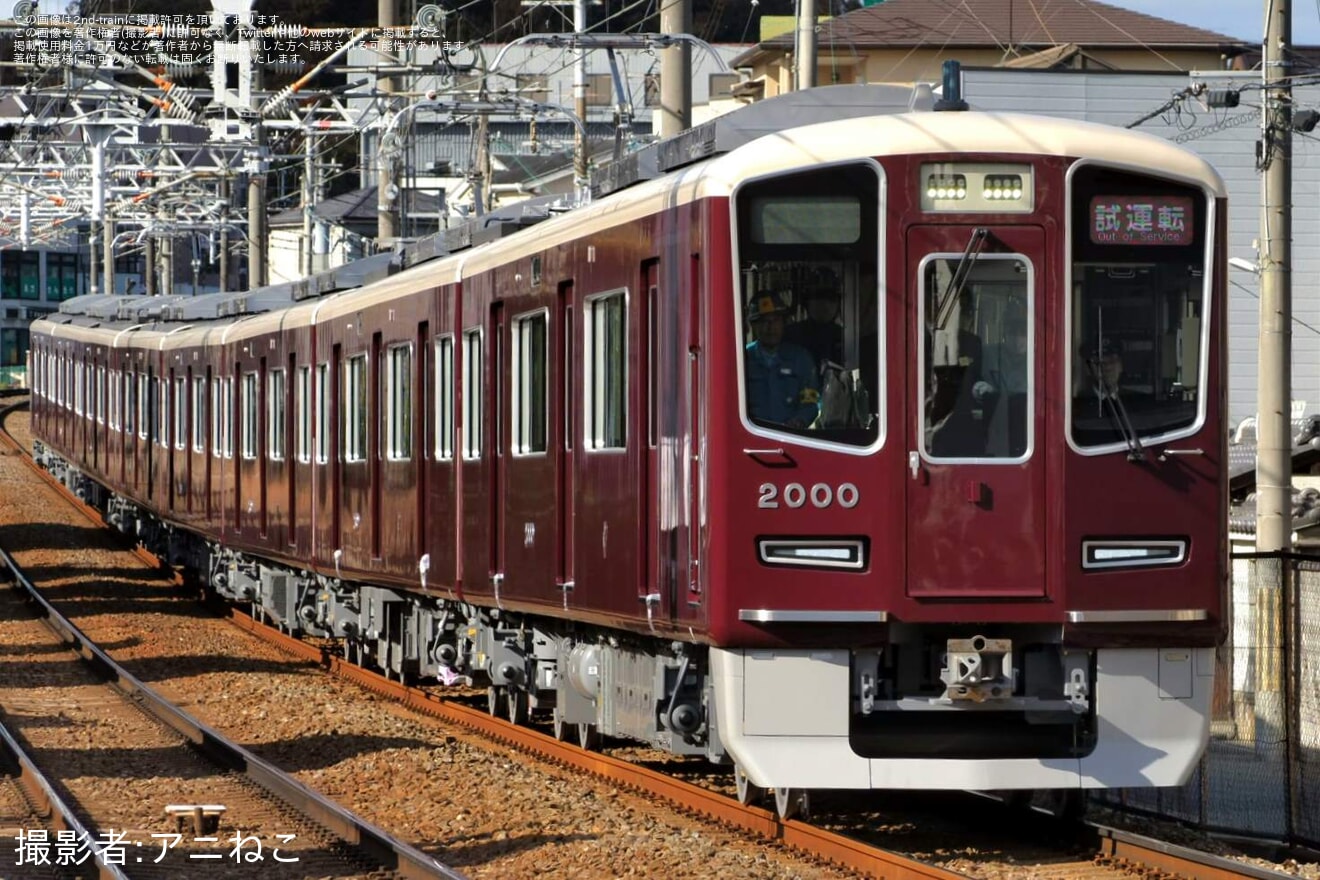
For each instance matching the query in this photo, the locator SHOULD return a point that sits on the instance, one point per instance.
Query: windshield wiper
(1136, 452)
(944, 306)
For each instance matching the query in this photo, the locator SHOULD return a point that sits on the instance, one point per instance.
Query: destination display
(1141, 220)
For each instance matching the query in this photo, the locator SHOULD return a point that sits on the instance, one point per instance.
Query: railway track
(1106, 853)
(133, 765)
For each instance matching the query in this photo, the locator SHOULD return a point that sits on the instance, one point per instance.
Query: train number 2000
(796, 495)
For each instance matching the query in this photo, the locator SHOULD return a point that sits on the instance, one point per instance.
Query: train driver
(781, 376)
(821, 334)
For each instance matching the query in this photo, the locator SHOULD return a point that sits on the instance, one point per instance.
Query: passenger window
(530, 388)
(322, 413)
(605, 371)
(303, 404)
(275, 406)
(472, 385)
(144, 405)
(249, 403)
(444, 403)
(163, 412)
(180, 413)
(227, 419)
(217, 419)
(199, 414)
(398, 391)
(354, 406)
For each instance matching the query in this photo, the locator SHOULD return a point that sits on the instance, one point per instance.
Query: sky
(1244, 19)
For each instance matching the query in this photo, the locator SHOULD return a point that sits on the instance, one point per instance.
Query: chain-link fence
(1261, 772)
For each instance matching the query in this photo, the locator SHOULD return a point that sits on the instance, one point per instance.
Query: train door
(494, 418)
(657, 601)
(976, 468)
(529, 548)
(564, 431)
(608, 549)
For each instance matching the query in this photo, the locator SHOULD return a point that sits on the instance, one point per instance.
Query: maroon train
(967, 532)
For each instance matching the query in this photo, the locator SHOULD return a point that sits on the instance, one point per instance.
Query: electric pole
(579, 98)
(387, 190)
(675, 69)
(806, 45)
(1274, 376)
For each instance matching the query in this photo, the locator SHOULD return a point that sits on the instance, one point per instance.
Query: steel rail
(817, 842)
(1180, 860)
(357, 832)
(50, 806)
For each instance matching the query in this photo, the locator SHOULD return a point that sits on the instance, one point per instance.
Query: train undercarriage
(935, 707)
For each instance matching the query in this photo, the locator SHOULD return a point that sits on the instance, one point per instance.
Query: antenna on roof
(951, 93)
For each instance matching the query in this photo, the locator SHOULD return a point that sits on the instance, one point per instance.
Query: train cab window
(530, 384)
(354, 409)
(398, 402)
(322, 413)
(444, 398)
(248, 426)
(275, 407)
(809, 304)
(605, 371)
(180, 413)
(976, 381)
(1139, 296)
(303, 412)
(472, 384)
(199, 414)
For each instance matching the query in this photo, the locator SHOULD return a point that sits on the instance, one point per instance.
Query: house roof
(1007, 24)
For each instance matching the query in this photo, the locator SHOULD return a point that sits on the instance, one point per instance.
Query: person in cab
(781, 376)
(820, 333)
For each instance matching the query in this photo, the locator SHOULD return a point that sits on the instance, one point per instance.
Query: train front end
(965, 499)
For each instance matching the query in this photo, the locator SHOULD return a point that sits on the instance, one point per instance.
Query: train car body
(967, 531)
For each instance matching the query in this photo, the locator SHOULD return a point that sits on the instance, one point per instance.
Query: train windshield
(808, 304)
(1137, 308)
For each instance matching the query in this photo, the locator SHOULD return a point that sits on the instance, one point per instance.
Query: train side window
(217, 419)
(227, 417)
(113, 415)
(605, 373)
(143, 405)
(248, 401)
(354, 409)
(163, 412)
(398, 397)
(180, 413)
(472, 376)
(130, 402)
(530, 389)
(100, 395)
(303, 406)
(78, 389)
(199, 414)
(322, 413)
(275, 407)
(444, 403)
